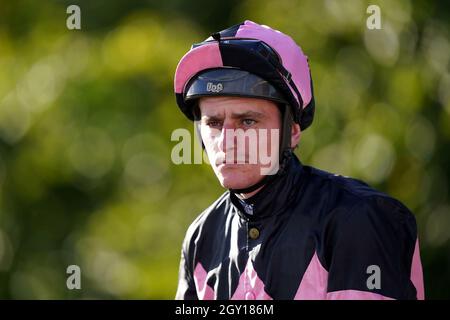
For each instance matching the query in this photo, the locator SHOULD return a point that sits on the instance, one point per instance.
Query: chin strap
(264, 181)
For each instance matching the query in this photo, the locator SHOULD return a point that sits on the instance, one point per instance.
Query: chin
(235, 180)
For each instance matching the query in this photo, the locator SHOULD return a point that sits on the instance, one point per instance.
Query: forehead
(215, 106)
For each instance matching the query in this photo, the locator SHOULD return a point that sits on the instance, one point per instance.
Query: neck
(241, 194)
(273, 197)
(244, 196)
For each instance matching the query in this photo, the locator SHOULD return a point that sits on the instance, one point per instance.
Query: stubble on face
(221, 116)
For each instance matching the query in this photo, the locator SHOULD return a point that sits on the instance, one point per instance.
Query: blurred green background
(86, 118)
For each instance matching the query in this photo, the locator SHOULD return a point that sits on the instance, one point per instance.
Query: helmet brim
(231, 82)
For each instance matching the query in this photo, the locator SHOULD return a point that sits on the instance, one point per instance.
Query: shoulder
(213, 213)
(331, 182)
(350, 194)
(347, 204)
(368, 222)
(374, 214)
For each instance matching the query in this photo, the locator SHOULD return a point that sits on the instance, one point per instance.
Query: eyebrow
(243, 115)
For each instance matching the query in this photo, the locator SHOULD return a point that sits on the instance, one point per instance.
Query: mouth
(229, 164)
(221, 161)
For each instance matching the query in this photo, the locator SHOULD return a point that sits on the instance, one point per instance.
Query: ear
(295, 134)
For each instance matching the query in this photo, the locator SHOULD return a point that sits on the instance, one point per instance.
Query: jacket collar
(274, 197)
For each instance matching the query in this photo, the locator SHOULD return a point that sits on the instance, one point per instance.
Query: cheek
(269, 139)
(210, 138)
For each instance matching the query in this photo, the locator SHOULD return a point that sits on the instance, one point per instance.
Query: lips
(230, 163)
(221, 159)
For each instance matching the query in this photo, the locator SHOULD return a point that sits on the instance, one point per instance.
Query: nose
(225, 134)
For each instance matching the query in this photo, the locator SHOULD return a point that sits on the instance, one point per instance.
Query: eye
(214, 124)
(248, 122)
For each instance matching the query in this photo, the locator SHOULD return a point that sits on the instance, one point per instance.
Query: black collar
(274, 197)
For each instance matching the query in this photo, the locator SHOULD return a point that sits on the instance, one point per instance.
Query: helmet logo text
(211, 87)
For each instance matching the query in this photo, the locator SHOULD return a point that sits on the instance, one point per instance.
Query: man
(283, 230)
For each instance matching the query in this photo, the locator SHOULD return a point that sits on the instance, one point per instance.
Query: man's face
(224, 122)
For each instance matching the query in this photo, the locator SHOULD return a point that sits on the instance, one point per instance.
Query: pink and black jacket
(309, 234)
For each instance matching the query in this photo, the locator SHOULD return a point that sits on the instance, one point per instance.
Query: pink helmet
(266, 55)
